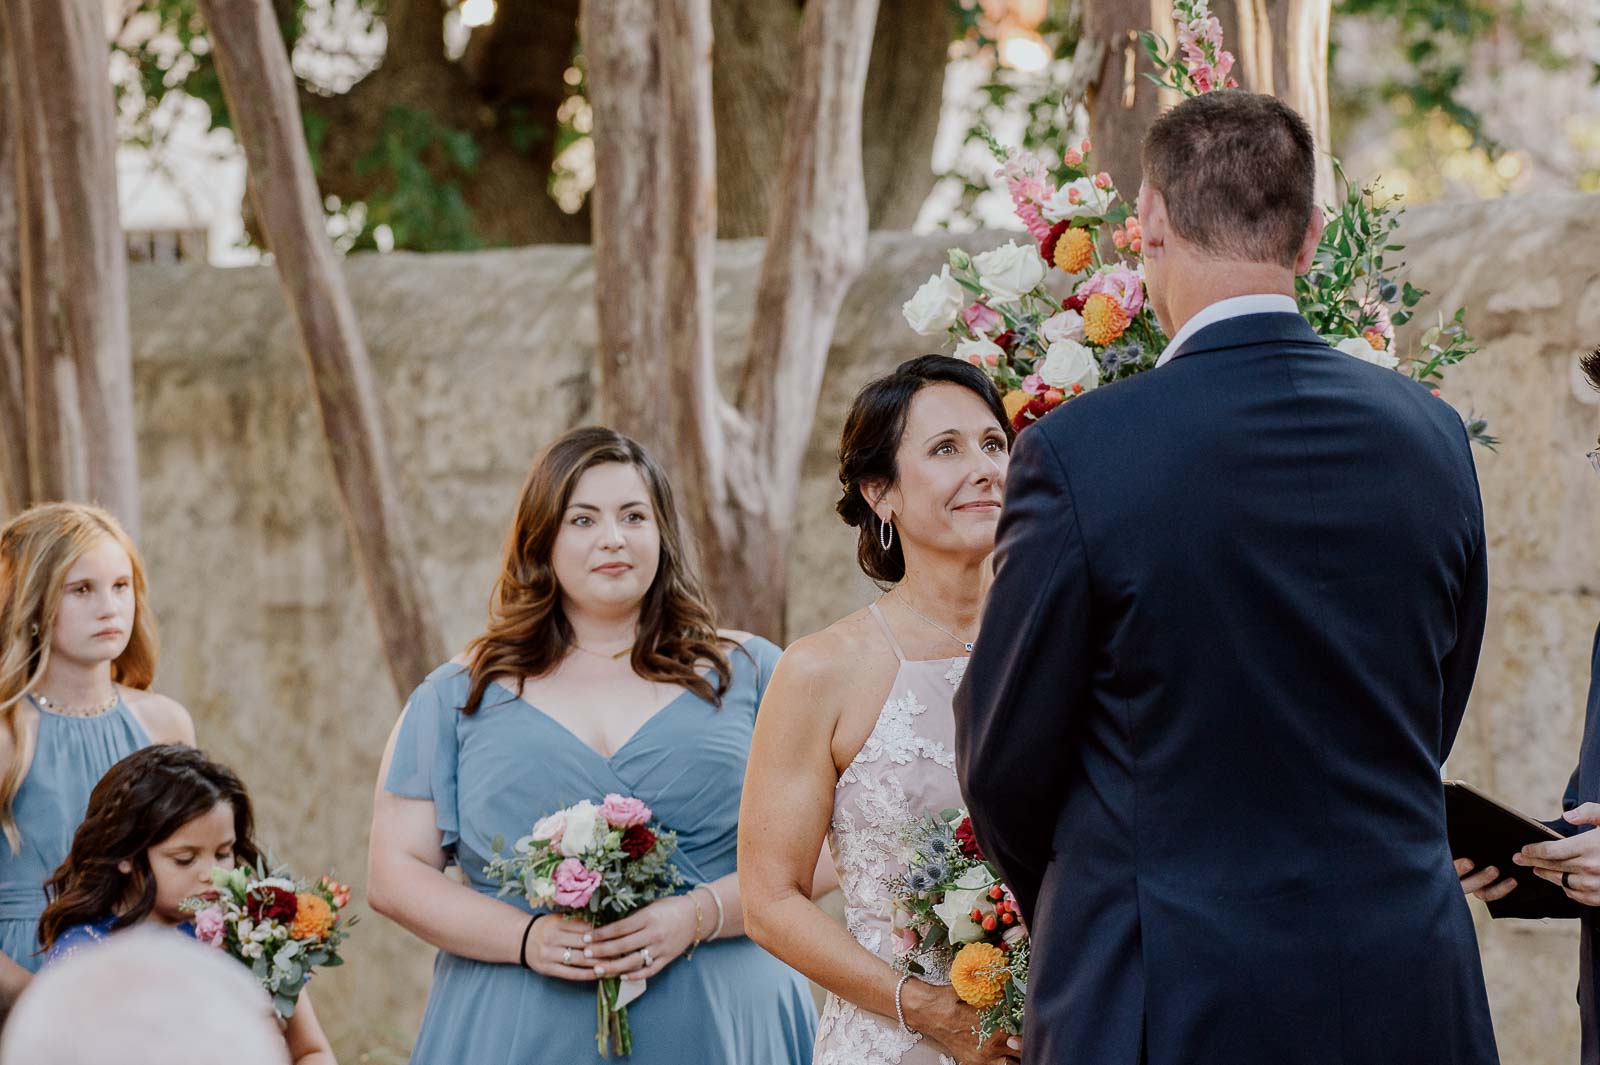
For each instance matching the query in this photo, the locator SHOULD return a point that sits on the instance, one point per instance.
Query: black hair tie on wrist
(522, 955)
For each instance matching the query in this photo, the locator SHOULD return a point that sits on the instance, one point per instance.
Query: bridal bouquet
(597, 862)
(952, 911)
(1057, 317)
(280, 927)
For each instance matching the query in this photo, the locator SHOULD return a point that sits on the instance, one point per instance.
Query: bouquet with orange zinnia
(952, 912)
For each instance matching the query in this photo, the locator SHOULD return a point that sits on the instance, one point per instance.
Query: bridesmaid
(77, 653)
(600, 671)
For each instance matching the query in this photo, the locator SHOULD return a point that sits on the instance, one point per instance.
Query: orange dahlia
(1104, 320)
(313, 918)
(1074, 250)
(979, 975)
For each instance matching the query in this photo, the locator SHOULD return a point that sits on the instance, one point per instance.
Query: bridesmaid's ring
(566, 956)
(644, 952)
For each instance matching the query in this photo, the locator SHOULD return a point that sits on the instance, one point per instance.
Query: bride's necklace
(963, 642)
(45, 703)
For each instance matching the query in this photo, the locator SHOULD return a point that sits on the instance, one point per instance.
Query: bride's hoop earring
(886, 533)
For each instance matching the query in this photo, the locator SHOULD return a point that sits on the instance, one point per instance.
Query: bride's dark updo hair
(871, 437)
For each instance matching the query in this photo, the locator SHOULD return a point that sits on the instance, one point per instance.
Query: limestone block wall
(483, 358)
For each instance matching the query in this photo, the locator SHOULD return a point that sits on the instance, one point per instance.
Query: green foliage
(421, 210)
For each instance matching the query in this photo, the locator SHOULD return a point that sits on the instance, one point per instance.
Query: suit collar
(1251, 329)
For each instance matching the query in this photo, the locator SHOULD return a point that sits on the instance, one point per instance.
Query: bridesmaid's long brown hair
(528, 634)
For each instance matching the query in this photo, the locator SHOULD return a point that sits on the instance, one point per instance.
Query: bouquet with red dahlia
(597, 862)
(281, 928)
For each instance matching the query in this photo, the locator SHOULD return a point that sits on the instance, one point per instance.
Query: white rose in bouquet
(1078, 199)
(934, 306)
(1364, 351)
(585, 829)
(1068, 325)
(1009, 272)
(956, 910)
(1069, 363)
(980, 351)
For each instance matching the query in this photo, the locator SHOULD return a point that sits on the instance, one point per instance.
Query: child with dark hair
(158, 822)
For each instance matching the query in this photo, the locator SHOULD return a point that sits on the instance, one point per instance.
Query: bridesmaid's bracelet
(699, 917)
(721, 914)
(522, 955)
(898, 1011)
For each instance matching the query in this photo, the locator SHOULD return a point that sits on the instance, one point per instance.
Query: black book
(1489, 832)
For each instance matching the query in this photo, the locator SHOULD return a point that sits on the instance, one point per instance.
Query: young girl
(77, 653)
(158, 823)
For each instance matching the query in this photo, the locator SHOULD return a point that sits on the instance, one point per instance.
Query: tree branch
(260, 87)
(816, 242)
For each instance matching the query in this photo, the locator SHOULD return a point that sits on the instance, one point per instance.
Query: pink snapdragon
(1028, 182)
(622, 811)
(575, 883)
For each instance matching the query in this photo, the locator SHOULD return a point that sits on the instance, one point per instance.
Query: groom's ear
(1308, 243)
(1153, 222)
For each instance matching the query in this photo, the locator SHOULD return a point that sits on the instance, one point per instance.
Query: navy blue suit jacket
(1236, 614)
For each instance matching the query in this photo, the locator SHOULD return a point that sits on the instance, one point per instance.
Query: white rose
(585, 829)
(934, 307)
(981, 348)
(1009, 272)
(1089, 201)
(1068, 325)
(1359, 347)
(956, 909)
(1069, 363)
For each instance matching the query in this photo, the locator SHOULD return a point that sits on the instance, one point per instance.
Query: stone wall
(485, 357)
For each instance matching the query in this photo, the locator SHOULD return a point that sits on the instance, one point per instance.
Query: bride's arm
(783, 821)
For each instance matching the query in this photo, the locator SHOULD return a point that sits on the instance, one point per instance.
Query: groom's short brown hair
(1238, 173)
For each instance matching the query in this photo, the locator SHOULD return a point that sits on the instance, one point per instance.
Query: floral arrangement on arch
(1059, 316)
(280, 927)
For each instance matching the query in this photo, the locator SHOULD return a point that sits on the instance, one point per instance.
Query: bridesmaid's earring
(886, 533)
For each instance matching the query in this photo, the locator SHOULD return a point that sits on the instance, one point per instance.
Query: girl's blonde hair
(37, 549)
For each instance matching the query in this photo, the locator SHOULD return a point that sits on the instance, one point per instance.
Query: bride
(855, 735)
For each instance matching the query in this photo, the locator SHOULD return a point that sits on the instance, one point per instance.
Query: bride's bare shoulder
(836, 655)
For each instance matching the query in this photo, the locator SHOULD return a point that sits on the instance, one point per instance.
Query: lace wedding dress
(905, 769)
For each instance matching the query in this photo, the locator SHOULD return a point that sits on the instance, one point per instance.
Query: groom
(1235, 618)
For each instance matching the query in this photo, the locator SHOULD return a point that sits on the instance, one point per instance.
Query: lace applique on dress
(904, 770)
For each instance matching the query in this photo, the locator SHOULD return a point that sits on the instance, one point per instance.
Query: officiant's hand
(641, 944)
(1573, 862)
(940, 1015)
(1487, 884)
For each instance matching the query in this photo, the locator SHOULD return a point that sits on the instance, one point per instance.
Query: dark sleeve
(1025, 684)
(1460, 664)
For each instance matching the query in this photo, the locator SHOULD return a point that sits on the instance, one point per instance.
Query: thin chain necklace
(611, 655)
(907, 604)
(75, 711)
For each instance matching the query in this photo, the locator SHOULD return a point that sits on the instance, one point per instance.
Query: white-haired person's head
(144, 997)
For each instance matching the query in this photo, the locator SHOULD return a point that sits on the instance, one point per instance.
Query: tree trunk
(1282, 49)
(654, 223)
(14, 493)
(255, 73)
(52, 430)
(754, 66)
(81, 138)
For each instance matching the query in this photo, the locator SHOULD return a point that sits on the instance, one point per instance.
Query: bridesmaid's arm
(308, 1045)
(407, 884)
(14, 980)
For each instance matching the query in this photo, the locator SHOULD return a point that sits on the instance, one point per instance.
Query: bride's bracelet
(898, 1010)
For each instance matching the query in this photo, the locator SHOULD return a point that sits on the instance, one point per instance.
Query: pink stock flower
(1122, 283)
(208, 926)
(980, 318)
(624, 811)
(576, 883)
(1026, 180)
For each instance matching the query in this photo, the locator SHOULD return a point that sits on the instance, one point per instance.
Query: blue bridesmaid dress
(495, 772)
(70, 757)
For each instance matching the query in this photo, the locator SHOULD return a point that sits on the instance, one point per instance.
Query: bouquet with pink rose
(597, 862)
